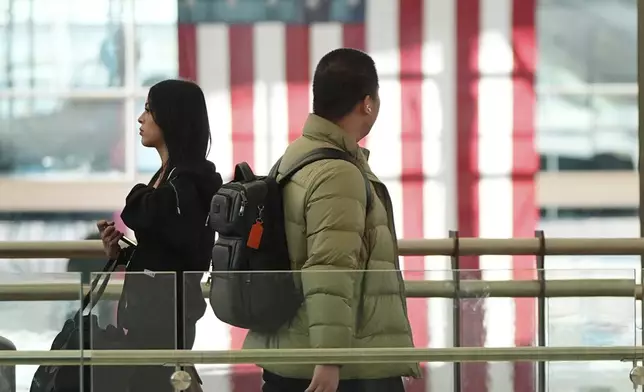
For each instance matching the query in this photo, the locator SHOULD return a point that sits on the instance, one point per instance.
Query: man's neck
(350, 129)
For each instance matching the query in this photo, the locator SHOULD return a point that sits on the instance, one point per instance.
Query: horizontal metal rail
(316, 356)
(50, 291)
(420, 247)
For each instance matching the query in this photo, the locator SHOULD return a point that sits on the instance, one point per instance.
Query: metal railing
(317, 356)
(457, 288)
(560, 288)
(454, 246)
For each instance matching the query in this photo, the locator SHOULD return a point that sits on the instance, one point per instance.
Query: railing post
(541, 308)
(640, 141)
(7, 372)
(456, 307)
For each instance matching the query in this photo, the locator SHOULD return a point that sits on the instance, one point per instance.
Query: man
(331, 237)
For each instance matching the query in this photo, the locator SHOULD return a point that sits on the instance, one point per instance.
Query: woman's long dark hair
(179, 109)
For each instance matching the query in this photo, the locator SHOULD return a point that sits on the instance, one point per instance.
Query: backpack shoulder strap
(318, 155)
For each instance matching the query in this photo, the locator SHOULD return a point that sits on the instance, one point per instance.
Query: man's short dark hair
(343, 77)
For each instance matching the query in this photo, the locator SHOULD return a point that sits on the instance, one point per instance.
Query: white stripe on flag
(495, 166)
(384, 141)
(213, 74)
(270, 98)
(324, 38)
(439, 160)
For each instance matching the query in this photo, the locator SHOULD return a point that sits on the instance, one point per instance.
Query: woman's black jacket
(170, 227)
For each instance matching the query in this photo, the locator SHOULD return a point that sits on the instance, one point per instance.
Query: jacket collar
(365, 153)
(318, 128)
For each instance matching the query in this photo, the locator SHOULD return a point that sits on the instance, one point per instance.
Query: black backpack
(248, 215)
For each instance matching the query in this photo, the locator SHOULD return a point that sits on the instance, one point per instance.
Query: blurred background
(498, 118)
(73, 79)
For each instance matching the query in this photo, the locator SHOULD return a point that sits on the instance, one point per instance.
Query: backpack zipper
(242, 193)
(243, 203)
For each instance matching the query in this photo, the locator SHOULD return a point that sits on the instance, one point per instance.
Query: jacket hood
(205, 177)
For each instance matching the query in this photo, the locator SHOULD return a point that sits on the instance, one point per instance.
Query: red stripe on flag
(411, 74)
(472, 330)
(187, 35)
(524, 168)
(297, 78)
(353, 36)
(240, 38)
(242, 76)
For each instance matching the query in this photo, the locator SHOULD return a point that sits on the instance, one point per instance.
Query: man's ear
(367, 105)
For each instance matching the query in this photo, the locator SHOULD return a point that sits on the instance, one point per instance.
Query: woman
(168, 216)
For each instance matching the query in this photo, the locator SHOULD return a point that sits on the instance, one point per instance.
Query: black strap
(91, 301)
(317, 155)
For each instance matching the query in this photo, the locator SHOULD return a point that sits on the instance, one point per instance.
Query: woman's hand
(110, 237)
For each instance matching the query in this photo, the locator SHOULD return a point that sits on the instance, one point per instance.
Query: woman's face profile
(151, 135)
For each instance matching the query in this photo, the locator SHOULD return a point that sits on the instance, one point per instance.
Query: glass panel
(39, 227)
(214, 334)
(63, 44)
(591, 322)
(440, 320)
(488, 318)
(587, 132)
(582, 41)
(615, 112)
(62, 128)
(144, 306)
(34, 308)
(157, 42)
(492, 318)
(584, 318)
(581, 124)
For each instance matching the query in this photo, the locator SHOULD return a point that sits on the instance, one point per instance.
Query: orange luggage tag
(255, 235)
(256, 231)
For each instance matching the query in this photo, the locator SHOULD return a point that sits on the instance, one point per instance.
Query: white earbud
(368, 109)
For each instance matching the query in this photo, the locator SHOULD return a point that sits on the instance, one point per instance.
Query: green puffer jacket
(324, 207)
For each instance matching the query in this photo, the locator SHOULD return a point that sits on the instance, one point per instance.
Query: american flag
(454, 142)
